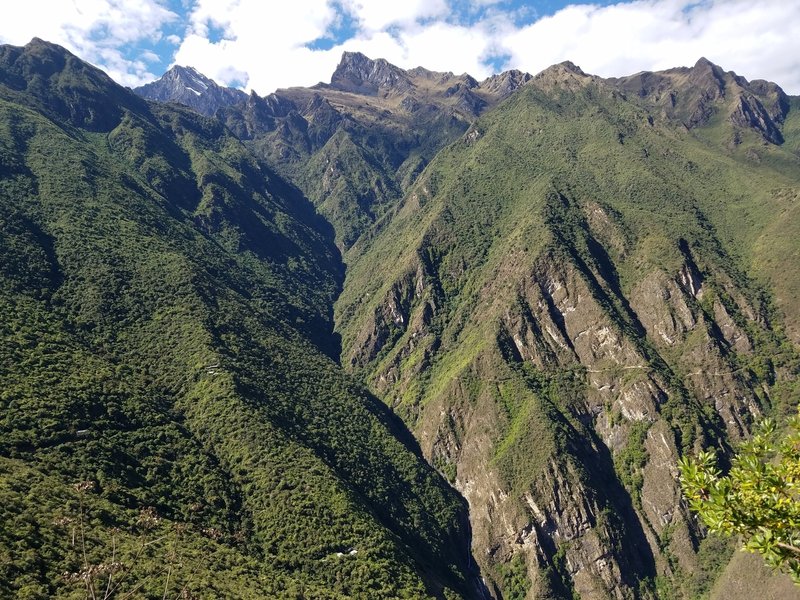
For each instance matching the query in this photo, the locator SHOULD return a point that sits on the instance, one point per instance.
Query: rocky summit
(405, 334)
(186, 86)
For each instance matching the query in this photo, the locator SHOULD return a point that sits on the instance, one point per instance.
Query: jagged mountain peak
(358, 73)
(565, 75)
(354, 58)
(505, 83)
(693, 95)
(704, 63)
(711, 77)
(568, 65)
(190, 78)
(190, 75)
(186, 85)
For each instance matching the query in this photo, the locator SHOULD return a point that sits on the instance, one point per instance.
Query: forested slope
(172, 419)
(560, 284)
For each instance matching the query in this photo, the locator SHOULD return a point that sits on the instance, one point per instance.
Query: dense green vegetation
(577, 291)
(515, 579)
(630, 461)
(548, 220)
(356, 146)
(758, 499)
(166, 345)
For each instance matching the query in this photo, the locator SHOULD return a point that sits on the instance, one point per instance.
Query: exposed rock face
(355, 144)
(359, 74)
(555, 358)
(554, 350)
(506, 83)
(694, 95)
(260, 115)
(186, 85)
(572, 509)
(563, 76)
(706, 339)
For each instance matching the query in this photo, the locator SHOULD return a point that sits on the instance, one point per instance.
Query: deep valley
(405, 334)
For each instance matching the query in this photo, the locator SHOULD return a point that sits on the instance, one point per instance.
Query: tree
(759, 498)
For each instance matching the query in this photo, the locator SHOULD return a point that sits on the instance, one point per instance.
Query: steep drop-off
(559, 283)
(171, 419)
(574, 294)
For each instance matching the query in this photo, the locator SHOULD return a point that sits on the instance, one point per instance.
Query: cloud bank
(253, 44)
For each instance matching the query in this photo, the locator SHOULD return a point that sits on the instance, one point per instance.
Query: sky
(264, 45)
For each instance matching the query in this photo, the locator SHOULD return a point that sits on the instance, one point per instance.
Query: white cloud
(251, 44)
(755, 39)
(149, 56)
(441, 46)
(376, 15)
(96, 30)
(268, 50)
(260, 48)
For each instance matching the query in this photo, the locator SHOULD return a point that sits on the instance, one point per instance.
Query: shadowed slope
(166, 304)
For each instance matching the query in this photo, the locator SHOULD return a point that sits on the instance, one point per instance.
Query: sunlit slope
(570, 297)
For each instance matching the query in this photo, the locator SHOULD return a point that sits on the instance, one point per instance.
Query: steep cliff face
(560, 283)
(571, 308)
(362, 75)
(694, 96)
(564, 419)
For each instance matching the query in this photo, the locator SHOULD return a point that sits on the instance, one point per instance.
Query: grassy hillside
(571, 296)
(172, 421)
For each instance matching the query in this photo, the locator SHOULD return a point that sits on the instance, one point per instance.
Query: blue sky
(346, 25)
(264, 45)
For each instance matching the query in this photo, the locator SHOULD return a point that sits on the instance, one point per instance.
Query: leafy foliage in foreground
(759, 499)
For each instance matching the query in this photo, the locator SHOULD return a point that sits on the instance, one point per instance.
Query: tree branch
(789, 547)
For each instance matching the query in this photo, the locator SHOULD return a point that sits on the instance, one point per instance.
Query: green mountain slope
(560, 284)
(356, 144)
(171, 420)
(579, 290)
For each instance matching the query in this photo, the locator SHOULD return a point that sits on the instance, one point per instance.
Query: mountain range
(401, 335)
